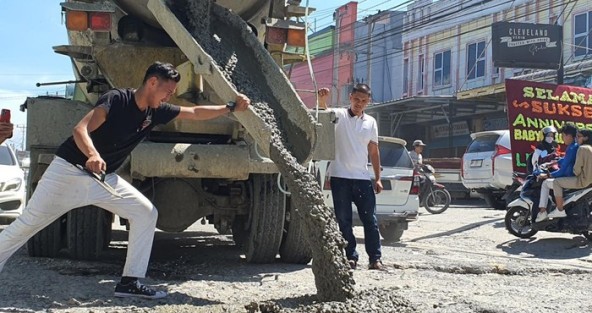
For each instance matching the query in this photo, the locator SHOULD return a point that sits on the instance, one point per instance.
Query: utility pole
(336, 48)
(370, 22)
(24, 129)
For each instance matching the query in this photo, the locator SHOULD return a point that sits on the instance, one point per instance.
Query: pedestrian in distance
(100, 143)
(356, 138)
(416, 153)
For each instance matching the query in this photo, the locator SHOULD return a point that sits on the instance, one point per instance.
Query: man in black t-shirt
(100, 143)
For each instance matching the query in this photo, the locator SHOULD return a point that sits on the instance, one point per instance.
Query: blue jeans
(361, 193)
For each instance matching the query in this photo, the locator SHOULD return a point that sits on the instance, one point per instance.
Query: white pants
(64, 187)
(546, 187)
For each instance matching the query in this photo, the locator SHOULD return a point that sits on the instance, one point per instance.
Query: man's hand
(542, 176)
(5, 131)
(377, 186)
(323, 96)
(242, 102)
(96, 164)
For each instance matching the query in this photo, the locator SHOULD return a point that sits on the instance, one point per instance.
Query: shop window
(420, 73)
(442, 68)
(476, 60)
(583, 34)
(406, 76)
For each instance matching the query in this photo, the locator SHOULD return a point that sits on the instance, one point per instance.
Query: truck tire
(295, 247)
(391, 232)
(48, 242)
(267, 220)
(88, 232)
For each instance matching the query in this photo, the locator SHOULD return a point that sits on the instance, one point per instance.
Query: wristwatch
(231, 106)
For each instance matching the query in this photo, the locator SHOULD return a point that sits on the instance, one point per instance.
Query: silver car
(487, 166)
(12, 185)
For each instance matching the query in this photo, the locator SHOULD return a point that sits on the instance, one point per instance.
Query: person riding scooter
(582, 170)
(545, 150)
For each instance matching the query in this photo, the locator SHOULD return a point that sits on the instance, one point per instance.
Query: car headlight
(11, 184)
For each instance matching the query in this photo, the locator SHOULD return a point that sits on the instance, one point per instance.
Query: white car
(487, 166)
(12, 185)
(398, 203)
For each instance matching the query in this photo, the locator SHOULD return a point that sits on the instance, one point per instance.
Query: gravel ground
(460, 261)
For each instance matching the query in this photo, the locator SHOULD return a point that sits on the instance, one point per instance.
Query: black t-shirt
(125, 127)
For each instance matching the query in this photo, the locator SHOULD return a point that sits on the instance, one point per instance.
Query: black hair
(363, 88)
(586, 133)
(161, 70)
(570, 129)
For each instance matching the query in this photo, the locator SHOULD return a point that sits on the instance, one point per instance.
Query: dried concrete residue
(221, 37)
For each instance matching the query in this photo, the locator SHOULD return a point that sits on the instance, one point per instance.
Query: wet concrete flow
(220, 32)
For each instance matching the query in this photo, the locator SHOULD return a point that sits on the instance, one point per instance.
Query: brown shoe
(376, 265)
(353, 264)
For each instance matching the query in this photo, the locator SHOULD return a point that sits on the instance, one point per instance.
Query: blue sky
(29, 29)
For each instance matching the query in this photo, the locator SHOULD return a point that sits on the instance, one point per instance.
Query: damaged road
(460, 261)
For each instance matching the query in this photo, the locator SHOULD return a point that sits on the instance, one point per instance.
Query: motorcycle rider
(547, 146)
(582, 170)
(415, 154)
(566, 169)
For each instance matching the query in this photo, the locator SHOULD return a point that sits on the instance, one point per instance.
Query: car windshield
(483, 144)
(394, 155)
(6, 157)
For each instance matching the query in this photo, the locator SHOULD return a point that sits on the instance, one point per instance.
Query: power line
(399, 31)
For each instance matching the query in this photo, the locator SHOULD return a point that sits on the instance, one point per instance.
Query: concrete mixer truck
(217, 171)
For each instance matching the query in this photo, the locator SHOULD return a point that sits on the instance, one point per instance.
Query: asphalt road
(463, 260)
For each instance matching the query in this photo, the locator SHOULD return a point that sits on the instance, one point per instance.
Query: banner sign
(526, 45)
(533, 106)
(443, 130)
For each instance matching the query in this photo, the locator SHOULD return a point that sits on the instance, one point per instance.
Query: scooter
(522, 212)
(432, 196)
(519, 178)
(513, 192)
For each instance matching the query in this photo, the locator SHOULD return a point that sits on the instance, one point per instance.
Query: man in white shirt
(356, 138)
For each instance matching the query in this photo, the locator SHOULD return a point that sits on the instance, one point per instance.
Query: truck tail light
(276, 35)
(76, 20)
(100, 21)
(82, 20)
(499, 150)
(291, 37)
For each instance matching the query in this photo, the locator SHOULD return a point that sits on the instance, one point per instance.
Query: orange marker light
(296, 37)
(76, 20)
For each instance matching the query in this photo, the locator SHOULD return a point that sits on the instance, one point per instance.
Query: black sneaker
(136, 289)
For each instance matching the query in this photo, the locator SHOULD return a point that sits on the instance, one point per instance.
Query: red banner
(532, 106)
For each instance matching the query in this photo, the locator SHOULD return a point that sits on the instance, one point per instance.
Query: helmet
(549, 129)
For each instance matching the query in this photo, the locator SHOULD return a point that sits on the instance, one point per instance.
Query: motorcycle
(513, 192)
(522, 212)
(518, 178)
(432, 196)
